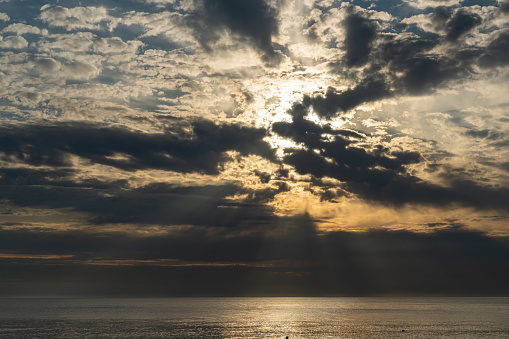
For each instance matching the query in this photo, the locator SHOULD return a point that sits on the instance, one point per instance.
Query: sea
(254, 317)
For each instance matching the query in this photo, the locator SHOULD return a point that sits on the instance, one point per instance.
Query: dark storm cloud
(414, 72)
(328, 105)
(478, 133)
(484, 134)
(424, 74)
(397, 64)
(360, 34)
(264, 176)
(390, 184)
(495, 54)
(394, 64)
(190, 244)
(460, 23)
(397, 50)
(26, 176)
(455, 22)
(253, 20)
(402, 189)
(370, 89)
(294, 260)
(504, 6)
(331, 195)
(203, 150)
(196, 205)
(377, 174)
(505, 166)
(410, 72)
(156, 203)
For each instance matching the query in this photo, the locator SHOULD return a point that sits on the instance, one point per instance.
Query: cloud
(504, 6)
(67, 69)
(423, 4)
(51, 180)
(360, 35)
(496, 52)
(370, 89)
(254, 20)
(426, 73)
(453, 261)
(76, 17)
(80, 70)
(399, 49)
(460, 23)
(31, 176)
(116, 202)
(452, 22)
(405, 64)
(192, 154)
(48, 65)
(21, 29)
(161, 3)
(110, 45)
(202, 151)
(13, 42)
(376, 174)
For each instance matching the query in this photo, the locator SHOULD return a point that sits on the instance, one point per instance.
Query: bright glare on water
(255, 318)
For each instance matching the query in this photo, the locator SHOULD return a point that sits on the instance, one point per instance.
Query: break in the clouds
(192, 138)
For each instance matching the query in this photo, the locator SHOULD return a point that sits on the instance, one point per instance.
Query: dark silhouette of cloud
(504, 6)
(203, 150)
(425, 74)
(391, 184)
(410, 72)
(460, 23)
(495, 54)
(254, 20)
(328, 105)
(46, 177)
(360, 34)
(455, 22)
(156, 203)
(294, 260)
(378, 174)
(397, 64)
(397, 50)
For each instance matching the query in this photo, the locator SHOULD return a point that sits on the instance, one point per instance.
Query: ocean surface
(254, 318)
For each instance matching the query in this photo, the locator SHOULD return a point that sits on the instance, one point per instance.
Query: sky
(254, 147)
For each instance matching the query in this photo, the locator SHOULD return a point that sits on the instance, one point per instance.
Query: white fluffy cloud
(80, 70)
(46, 65)
(77, 17)
(421, 4)
(13, 42)
(20, 29)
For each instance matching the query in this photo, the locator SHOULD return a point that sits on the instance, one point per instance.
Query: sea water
(254, 318)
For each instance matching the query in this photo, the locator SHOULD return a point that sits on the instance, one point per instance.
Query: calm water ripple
(255, 318)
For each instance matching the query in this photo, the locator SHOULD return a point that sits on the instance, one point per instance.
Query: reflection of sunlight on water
(359, 317)
(281, 314)
(255, 318)
(280, 317)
